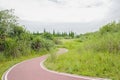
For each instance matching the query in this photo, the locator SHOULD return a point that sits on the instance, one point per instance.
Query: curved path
(34, 70)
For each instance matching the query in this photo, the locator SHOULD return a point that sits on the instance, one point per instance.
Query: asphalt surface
(32, 70)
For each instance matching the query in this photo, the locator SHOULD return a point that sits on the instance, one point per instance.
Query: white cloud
(59, 10)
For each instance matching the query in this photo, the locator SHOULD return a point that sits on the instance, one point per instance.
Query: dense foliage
(15, 41)
(107, 39)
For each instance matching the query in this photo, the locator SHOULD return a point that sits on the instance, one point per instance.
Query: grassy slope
(82, 60)
(78, 61)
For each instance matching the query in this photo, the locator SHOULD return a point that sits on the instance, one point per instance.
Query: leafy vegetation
(17, 44)
(15, 41)
(92, 54)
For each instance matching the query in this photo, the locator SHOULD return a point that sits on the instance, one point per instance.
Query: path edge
(70, 75)
(5, 74)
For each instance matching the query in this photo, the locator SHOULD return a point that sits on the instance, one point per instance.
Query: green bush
(12, 48)
(2, 45)
(39, 43)
(57, 41)
(16, 48)
(110, 28)
(109, 42)
(47, 35)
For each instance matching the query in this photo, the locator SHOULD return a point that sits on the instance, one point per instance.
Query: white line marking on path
(66, 74)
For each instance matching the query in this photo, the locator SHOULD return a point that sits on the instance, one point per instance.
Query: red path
(31, 70)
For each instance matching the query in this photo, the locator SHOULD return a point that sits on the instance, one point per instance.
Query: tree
(44, 30)
(64, 34)
(16, 31)
(7, 19)
(53, 32)
(13, 37)
(48, 35)
(71, 34)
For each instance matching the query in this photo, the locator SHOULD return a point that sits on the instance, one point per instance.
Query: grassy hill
(94, 54)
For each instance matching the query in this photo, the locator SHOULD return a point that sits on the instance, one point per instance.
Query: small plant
(52, 57)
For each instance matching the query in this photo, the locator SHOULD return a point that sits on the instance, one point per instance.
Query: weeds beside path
(85, 62)
(33, 70)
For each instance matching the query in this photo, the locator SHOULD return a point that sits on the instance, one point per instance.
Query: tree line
(65, 35)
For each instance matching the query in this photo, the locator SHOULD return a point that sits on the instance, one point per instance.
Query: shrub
(109, 28)
(40, 43)
(37, 44)
(2, 45)
(57, 41)
(47, 35)
(12, 48)
(109, 42)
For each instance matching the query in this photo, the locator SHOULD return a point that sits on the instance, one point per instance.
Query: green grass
(88, 63)
(95, 54)
(7, 63)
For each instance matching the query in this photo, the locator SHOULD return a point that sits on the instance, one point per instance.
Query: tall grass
(93, 54)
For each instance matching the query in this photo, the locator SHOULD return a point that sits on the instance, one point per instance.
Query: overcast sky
(64, 10)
